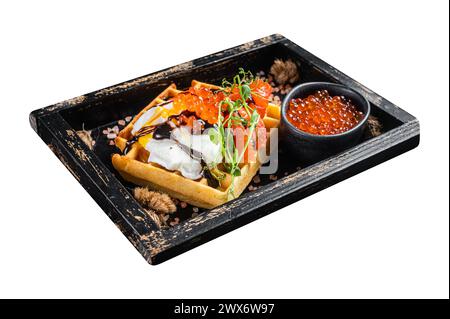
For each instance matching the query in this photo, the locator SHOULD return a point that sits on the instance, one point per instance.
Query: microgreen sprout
(223, 133)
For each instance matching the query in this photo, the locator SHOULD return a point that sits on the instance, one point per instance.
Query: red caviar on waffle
(204, 102)
(201, 101)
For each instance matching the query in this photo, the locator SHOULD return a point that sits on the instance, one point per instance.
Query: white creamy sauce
(168, 154)
(172, 154)
(200, 143)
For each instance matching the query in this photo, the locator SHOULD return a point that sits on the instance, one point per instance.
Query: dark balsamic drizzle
(162, 131)
(143, 131)
(212, 182)
(192, 153)
(163, 103)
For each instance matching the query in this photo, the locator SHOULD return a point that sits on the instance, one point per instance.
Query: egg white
(175, 153)
(199, 143)
(169, 154)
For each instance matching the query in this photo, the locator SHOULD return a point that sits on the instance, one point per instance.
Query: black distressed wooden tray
(58, 125)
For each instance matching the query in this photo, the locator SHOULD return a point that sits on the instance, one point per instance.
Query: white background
(383, 233)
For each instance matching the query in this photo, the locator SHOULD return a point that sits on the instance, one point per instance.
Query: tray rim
(158, 245)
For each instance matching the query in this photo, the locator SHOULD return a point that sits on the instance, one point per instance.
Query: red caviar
(204, 102)
(201, 101)
(322, 114)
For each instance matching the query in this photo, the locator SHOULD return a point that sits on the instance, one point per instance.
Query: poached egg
(155, 116)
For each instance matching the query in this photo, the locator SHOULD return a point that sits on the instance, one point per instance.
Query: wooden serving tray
(59, 125)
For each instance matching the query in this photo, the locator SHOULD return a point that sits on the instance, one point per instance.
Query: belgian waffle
(134, 168)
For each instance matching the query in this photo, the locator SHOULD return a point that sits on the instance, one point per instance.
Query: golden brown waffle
(134, 168)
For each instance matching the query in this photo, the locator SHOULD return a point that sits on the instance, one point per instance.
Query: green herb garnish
(223, 134)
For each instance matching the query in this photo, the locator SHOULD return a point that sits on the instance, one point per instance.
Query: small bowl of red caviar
(320, 119)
